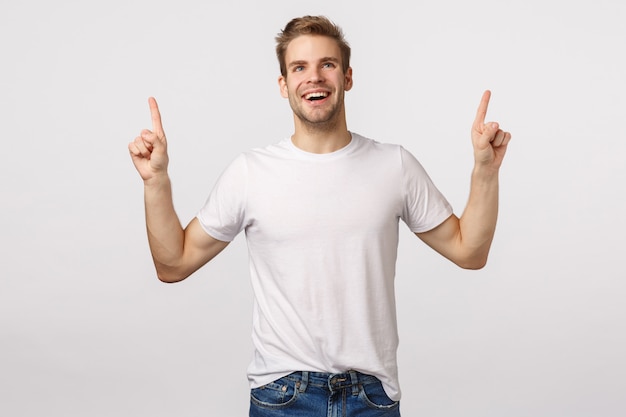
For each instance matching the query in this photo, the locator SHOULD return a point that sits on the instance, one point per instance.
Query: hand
(489, 141)
(149, 150)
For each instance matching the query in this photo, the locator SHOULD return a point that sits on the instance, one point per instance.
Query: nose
(316, 75)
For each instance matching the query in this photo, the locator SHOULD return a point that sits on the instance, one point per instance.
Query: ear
(282, 83)
(348, 79)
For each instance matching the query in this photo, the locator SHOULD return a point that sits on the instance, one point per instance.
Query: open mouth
(319, 95)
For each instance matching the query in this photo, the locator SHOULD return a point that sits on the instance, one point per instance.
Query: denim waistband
(332, 382)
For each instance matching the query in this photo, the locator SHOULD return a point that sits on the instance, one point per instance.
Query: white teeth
(316, 95)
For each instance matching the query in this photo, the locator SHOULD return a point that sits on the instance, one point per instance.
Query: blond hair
(311, 25)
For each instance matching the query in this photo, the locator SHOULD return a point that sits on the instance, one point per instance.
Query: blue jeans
(317, 394)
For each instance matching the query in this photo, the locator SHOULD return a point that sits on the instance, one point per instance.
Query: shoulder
(244, 158)
(391, 155)
(274, 149)
(367, 143)
(390, 149)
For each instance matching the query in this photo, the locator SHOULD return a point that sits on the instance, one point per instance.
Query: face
(315, 82)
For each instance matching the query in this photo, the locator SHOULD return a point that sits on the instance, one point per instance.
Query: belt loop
(355, 382)
(304, 382)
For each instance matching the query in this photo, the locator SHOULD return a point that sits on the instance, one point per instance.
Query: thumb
(488, 135)
(152, 140)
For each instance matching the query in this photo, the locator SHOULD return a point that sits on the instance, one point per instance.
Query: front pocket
(375, 396)
(280, 393)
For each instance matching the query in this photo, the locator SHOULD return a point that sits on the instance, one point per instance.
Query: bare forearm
(165, 233)
(478, 222)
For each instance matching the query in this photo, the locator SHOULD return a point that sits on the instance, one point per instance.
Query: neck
(321, 137)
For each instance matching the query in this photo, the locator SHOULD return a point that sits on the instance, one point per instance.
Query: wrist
(485, 173)
(157, 180)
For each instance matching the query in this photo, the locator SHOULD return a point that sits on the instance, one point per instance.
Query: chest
(331, 200)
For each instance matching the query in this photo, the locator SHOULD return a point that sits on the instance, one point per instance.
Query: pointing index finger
(157, 127)
(481, 113)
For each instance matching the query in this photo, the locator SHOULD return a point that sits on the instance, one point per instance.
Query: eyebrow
(302, 62)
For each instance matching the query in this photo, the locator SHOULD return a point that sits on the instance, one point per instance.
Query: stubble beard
(318, 119)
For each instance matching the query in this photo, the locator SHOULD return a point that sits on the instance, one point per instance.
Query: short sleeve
(425, 207)
(223, 214)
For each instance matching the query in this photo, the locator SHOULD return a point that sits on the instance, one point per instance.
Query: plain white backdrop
(86, 329)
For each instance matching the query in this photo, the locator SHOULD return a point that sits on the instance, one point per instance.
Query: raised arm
(466, 240)
(176, 252)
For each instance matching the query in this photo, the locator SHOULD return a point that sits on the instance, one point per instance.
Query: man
(321, 211)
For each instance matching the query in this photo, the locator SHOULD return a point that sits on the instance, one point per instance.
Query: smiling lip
(316, 95)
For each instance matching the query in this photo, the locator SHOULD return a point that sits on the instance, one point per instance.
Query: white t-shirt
(322, 234)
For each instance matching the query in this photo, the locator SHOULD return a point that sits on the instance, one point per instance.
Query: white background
(86, 329)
